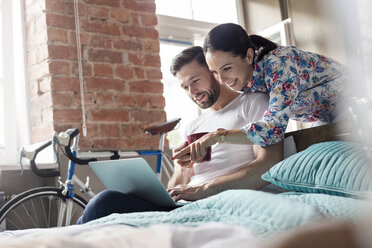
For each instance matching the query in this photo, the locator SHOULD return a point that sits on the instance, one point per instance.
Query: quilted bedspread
(262, 213)
(233, 218)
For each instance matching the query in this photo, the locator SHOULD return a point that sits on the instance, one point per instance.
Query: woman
(302, 86)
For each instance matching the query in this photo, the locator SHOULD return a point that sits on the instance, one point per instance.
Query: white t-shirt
(227, 158)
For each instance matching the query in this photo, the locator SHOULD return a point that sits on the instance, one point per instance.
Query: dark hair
(186, 56)
(230, 37)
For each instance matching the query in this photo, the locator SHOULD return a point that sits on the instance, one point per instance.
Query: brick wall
(121, 70)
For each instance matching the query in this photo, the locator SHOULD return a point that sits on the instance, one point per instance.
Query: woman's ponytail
(262, 45)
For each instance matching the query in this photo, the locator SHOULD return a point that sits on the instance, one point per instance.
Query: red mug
(192, 137)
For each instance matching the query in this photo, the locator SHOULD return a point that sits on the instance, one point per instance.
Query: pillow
(336, 168)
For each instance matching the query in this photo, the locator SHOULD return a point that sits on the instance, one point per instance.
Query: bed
(329, 179)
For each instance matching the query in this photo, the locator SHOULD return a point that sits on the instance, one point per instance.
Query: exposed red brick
(69, 9)
(125, 100)
(107, 56)
(140, 6)
(148, 116)
(59, 68)
(154, 73)
(152, 60)
(101, 28)
(102, 84)
(57, 6)
(110, 130)
(124, 72)
(140, 73)
(65, 84)
(131, 130)
(149, 141)
(84, 38)
(142, 87)
(110, 115)
(62, 52)
(57, 35)
(134, 45)
(112, 3)
(60, 21)
(89, 99)
(141, 32)
(87, 69)
(111, 144)
(104, 98)
(152, 46)
(98, 13)
(136, 59)
(104, 70)
(136, 20)
(101, 41)
(141, 101)
(120, 15)
(92, 130)
(149, 19)
(86, 144)
(63, 99)
(157, 101)
(67, 115)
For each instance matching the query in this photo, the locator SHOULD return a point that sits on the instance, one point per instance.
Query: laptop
(133, 176)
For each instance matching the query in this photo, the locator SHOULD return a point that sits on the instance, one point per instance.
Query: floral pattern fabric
(302, 86)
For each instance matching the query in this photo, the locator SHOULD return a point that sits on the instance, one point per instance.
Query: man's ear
(250, 55)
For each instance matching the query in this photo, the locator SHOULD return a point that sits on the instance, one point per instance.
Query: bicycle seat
(162, 127)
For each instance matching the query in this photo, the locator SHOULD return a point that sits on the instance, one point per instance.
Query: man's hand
(188, 193)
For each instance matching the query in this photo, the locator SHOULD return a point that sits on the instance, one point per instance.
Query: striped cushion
(336, 168)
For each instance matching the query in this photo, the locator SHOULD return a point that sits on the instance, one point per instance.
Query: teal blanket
(262, 213)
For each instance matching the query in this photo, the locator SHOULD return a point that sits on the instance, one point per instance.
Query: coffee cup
(192, 137)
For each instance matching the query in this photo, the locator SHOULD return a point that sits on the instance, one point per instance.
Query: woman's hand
(196, 151)
(182, 160)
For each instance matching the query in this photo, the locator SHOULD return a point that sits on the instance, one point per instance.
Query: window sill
(27, 167)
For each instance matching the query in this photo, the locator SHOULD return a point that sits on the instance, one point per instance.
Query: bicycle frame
(161, 157)
(67, 200)
(66, 206)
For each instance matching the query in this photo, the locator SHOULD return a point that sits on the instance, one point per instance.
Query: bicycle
(44, 207)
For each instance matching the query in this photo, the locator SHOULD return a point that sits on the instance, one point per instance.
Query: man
(231, 166)
(243, 166)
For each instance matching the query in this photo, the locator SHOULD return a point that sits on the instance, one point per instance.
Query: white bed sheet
(209, 235)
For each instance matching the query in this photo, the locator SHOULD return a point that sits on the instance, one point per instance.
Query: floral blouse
(302, 86)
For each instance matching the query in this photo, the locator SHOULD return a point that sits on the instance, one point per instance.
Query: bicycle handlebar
(31, 155)
(65, 139)
(76, 160)
(43, 173)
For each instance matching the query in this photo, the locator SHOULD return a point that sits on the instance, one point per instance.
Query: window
(182, 24)
(213, 11)
(13, 107)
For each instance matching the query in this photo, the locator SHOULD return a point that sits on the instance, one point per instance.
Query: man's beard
(212, 95)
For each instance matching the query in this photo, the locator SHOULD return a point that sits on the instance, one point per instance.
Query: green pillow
(336, 168)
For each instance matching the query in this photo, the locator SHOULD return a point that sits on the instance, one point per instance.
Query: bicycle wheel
(38, 208)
